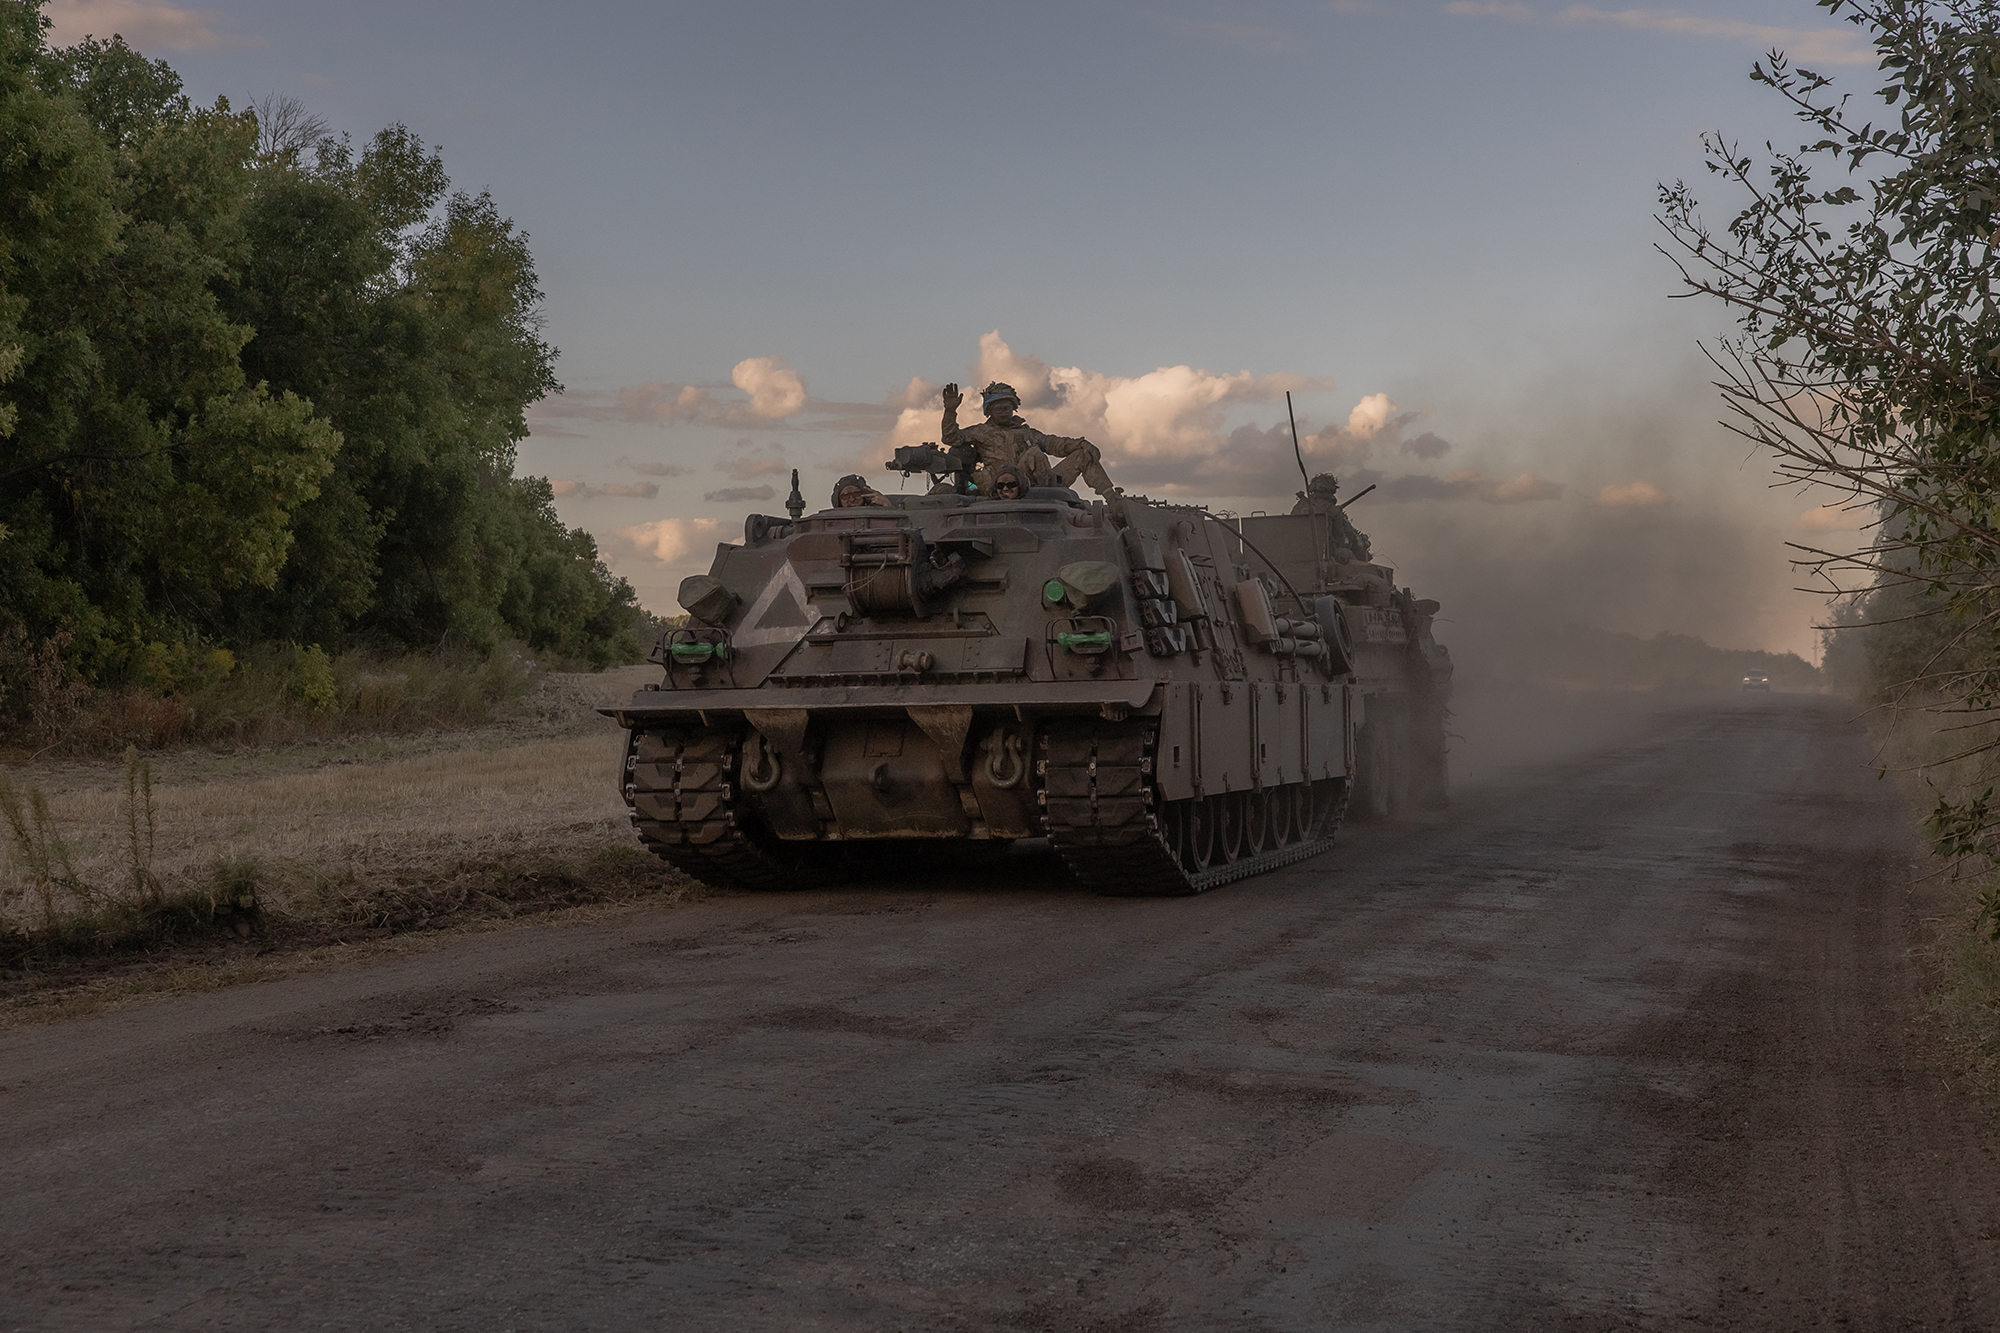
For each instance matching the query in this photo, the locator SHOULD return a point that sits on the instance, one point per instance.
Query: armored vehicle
(1133, 680)
(1400, 670)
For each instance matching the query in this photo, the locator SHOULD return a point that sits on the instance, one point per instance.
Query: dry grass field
(357, 837)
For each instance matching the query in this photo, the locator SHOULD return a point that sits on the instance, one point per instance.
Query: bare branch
(286, 131)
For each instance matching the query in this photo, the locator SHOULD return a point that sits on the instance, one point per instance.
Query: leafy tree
(411, 318)
(56, 224)
(1867, 355)
(145, 479)
(257, 385)
(558, 596)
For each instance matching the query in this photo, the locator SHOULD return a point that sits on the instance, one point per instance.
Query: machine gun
(956, 462)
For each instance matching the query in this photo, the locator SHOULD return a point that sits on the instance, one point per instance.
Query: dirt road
(1631, 1039)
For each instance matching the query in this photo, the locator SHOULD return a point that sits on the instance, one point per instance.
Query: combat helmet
(852, 479)
(997, 392)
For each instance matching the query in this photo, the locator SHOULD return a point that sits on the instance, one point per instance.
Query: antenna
(1319, 553)
(1296, 451)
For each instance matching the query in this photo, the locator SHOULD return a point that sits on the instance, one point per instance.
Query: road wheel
(1256, 822)
(1228, 826)
(1201, 830)
(1285, 814)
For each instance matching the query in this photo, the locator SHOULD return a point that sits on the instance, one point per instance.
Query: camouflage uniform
(1010, 440)
(1322, 496)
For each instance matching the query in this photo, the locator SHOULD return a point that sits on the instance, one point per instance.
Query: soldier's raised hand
(952, 397)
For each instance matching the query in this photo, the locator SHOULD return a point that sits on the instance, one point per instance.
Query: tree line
(258, 385)
(1860, 268)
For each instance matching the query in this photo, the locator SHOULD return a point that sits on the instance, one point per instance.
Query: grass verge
(271, 694)
(1921, 752)
(80, 981)
(128, 874)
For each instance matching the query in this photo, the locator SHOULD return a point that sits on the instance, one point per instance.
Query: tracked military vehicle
(1133, 680)
(1400, 670)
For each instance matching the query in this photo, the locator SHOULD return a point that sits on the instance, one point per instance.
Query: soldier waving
(1005, 439)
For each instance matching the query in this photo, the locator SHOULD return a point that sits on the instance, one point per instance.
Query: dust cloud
(1499, 727)
(1665, 523)
(1572, 499)
(1660, 576)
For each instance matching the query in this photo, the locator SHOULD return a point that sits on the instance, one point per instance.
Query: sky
(768, 233)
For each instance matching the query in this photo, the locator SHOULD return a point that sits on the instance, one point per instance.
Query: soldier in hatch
(851, 492)
(1322, 496)
(1006, 484)
(1004, 438)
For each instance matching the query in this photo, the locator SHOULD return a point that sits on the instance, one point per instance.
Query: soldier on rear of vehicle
(1004, 438)
(1322, 496)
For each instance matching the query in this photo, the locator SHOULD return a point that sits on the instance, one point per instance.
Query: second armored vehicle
(1400, 670)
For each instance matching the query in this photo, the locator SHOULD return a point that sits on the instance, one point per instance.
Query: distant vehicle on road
(1757, 683)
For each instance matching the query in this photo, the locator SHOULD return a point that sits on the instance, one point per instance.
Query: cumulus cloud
(1164, 413)
(1829, 46)
(671, 540)
(636, 490)
(1163, 424)
(737, 494)
(1471, 484)
(747, 460)
(1632, 495)
(1370, 415)
(772, 391)
(143, 23)
(775, 389)
(918, 393)
(1165, 430)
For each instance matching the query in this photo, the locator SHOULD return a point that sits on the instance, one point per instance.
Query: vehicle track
(1094, 785)
(1105, 821)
